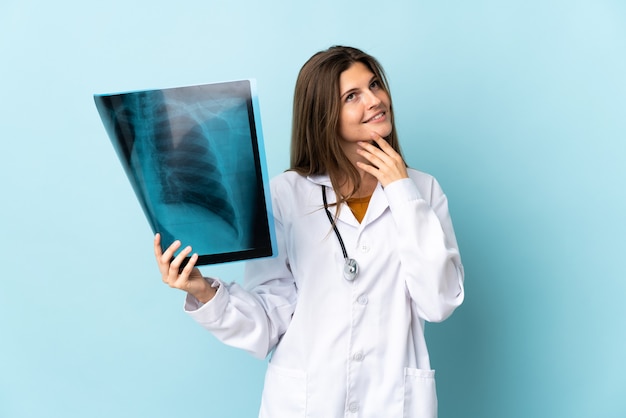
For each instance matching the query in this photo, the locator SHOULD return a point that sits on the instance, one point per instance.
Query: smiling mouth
(376, 117)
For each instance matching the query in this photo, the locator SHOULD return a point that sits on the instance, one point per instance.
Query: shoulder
(290, 186)
(287, 180)
(294, 193)
(287, 177)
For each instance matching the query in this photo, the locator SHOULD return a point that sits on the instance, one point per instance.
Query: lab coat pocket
(420, 394)
(284, 393)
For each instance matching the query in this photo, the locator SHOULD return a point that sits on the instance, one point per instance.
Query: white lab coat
(340, 348)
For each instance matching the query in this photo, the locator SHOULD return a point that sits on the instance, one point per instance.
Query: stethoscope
(351, 267)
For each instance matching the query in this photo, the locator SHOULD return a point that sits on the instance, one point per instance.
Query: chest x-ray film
(195, 159)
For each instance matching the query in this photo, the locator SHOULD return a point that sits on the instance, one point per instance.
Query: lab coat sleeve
(252, 316)
(428, 250)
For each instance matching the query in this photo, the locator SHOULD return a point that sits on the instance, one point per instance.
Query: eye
(374, 85)
(350, 97)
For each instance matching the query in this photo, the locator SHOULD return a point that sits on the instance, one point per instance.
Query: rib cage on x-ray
(174, 144)
(192, 157)
(188, 168)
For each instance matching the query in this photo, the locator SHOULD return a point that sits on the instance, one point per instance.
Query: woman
(366, 255)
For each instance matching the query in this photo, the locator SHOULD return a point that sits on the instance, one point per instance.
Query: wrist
(208, 292)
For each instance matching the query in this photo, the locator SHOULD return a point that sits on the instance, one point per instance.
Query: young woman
(366, 255)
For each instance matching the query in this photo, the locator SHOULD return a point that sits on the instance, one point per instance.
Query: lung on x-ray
(194, 156)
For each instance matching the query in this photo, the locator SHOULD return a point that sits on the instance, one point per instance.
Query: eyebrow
(374, 77)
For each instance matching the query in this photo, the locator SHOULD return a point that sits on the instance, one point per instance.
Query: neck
(366, 188)
(368, 182)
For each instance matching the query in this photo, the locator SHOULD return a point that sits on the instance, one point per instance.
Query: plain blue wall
(517, 107)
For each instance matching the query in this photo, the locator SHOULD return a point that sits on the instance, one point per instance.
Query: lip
(377, 117)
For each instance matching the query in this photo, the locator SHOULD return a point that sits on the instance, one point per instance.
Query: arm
(428, 251)
(252, 317)
(429, 254)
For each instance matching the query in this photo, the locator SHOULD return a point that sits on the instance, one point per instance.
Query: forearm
(429, 255)
(249, 320)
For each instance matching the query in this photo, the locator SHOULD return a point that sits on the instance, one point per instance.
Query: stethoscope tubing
(351, 267)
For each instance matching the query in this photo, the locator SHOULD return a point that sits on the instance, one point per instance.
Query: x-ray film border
(263, 162)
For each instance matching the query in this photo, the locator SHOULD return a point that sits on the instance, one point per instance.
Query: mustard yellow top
(359, 206)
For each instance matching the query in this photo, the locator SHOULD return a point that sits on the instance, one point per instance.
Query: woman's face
(365, 106)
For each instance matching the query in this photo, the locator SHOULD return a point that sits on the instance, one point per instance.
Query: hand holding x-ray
(180, 271)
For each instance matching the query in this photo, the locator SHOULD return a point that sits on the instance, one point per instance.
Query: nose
(371, 99)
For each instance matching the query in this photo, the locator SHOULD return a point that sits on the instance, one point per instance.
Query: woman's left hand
(385, 163)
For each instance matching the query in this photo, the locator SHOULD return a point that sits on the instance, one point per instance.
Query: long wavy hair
(315, 147)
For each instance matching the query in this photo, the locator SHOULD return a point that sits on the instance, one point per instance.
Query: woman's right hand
(189, 278)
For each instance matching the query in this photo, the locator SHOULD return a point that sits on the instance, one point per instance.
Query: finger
(177, 262)
(181, 269)
(172, 271)
(386, 164)
(378, 146)
(383, 149)
(158, 252)
(191, 264)
(386, 153)
(374, 155)
(382, 143)
(168, 254)
(370, 169)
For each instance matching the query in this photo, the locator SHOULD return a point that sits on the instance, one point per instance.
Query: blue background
(517, 107)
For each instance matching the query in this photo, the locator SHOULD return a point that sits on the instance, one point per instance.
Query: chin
(384, 132)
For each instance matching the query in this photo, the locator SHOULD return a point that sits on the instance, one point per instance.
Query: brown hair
(315, 148)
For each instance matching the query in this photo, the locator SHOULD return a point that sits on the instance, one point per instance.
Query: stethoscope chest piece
(350, 269)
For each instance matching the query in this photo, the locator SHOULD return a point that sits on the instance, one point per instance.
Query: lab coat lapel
(377, 206)
(345, 215)
(378, 203)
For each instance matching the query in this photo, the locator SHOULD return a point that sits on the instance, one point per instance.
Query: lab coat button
(358, 356)
(362, 300)
(353, 407)
(365, 248)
